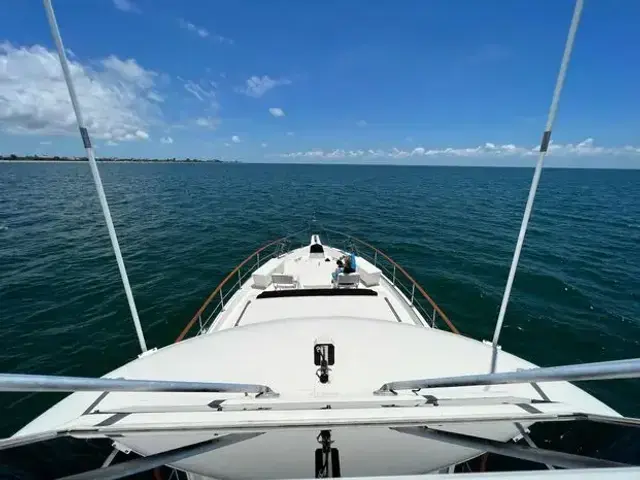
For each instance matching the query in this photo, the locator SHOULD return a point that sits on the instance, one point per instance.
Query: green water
(183, 227)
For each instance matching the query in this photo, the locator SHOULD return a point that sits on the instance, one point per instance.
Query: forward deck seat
(262, 276)
(347, 280)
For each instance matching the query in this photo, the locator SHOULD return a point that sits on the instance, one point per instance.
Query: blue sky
(417, 81)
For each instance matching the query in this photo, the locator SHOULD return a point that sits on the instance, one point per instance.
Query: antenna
(55, 32)
(544, 145)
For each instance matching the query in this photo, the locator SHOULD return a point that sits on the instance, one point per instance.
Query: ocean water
(183, 227)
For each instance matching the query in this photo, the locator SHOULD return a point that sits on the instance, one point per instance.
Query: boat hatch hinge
(122, 448)
(327, 458)
(324, 355)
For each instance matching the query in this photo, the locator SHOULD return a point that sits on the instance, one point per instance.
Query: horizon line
(340, 164)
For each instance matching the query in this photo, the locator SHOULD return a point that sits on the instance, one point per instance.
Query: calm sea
(183, 227)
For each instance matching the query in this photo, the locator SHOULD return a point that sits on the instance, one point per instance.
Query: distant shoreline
(320, 164)
(191, 162)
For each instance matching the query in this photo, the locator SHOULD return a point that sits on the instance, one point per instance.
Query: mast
(544, 146)
(55, 32)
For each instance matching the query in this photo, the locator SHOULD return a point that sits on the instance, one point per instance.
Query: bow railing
(398, 277)
(217, 300)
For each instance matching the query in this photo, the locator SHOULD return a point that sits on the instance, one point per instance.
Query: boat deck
(268, 335)
(312, 274)
(279, 353)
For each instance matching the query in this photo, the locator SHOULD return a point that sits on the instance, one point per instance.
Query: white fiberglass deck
(378, 337)
(312, 272)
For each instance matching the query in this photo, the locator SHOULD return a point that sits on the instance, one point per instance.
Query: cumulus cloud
(235, 139)
(263, 145)
(276, 112)
(114, 95)
(258, 86)
(585, 148)
(290, 134)
(361, 123)
(126, 6)
(166, 140)
(129, 71)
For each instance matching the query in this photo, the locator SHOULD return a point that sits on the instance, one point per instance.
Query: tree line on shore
(56, 158)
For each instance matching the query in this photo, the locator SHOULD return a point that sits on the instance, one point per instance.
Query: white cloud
(208, 122)
(361, 123)
(205, 92)
(290, 134)
(200, 31)
(201, 93)
(204, 33)
(227, 144)
(126, 6)
(111, 143)
(263, 145)
(258, 86)
(166, 140)
(129, 71)
(235, 139)
(156, 97)
(585, 148)
(276, 112)
(113, 96)
(45, 142)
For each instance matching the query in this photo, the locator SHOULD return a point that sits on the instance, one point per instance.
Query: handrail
(418, 287)
(155, 460)
(218, 290)
(219, 287)
(523, 452)
(609, 370)
(15, 382)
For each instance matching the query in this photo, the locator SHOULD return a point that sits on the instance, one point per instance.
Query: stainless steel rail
(559, 459)
(398, 277)
(215, 302)
(11, 382)
(152, 461)
(616, 369)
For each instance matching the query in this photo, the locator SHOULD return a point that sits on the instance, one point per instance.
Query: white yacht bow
(292, 369)
(295, 361)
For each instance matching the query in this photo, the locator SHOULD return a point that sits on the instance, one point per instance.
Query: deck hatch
(319, 292)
